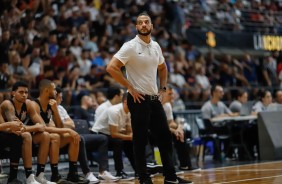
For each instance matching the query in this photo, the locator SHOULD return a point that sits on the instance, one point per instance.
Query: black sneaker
(154, 169)
(177, 181)
(15, 181)
(123, 176)
(75, 178)
(193, 169)
(59, 180)
(146, 181)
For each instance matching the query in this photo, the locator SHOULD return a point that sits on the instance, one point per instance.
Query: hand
(39, 127)
(53, 104)
(75, 136)
(16, 126)
(136, 96)
(161, 95)
(179, 135)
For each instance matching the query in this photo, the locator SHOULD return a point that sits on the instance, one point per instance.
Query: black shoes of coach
(178, 181)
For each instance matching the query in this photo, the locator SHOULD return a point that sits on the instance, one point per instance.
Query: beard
(144, 33)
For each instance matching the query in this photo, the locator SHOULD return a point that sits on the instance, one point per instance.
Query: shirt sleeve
(124, 53)
(113, 117)
(206, 112)
(168, 111)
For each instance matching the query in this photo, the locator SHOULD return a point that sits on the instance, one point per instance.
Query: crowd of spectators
(71, 41)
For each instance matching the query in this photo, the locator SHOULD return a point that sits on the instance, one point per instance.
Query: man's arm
(56, 116)
(116, 134)
(68, 123)
(162, 72)
(114, 69)
(8, 111)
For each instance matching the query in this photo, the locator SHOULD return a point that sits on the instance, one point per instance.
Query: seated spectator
(19, 107)
(277, 104)
(9, 131)
(265, 99)
(120, 128)
(215, 108)
(93, 142)
(241, 100)
(179, 139)
(86, 110)
(46, 106)
(101, 126)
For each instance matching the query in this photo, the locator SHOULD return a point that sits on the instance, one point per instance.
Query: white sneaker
(31, 180)
(41, 179)
(90, 176)
(107, 176)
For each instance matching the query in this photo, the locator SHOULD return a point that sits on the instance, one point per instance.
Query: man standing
(19, 107)
(143, 59)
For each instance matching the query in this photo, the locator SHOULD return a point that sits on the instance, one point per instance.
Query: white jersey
(101, 118)
(141, 61)
(168, 111)
(118, 117)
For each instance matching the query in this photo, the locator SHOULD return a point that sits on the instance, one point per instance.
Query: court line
(263, 163)
(249, 179)
(247, 170)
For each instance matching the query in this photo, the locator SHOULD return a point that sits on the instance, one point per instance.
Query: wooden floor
(255, 173)
(260, 173)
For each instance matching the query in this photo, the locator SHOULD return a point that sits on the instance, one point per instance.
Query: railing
(189, 117)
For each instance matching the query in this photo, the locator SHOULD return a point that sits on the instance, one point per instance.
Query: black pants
(97, 143)
(14, 142)
(150, 115)
(183, 152)
(118, 146)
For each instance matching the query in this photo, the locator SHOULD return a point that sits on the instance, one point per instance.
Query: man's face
(121, 95)
(59, 98)
(52, 91)
(144, 26)
(244, 98)
(169, 95)
(218, 93)
(20, 94)
(279, 97)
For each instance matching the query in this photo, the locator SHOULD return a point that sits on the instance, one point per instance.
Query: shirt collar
(142, 42)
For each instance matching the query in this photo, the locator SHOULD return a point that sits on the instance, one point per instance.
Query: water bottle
(157, 156)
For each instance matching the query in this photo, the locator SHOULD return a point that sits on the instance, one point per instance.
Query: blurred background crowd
(71, 41)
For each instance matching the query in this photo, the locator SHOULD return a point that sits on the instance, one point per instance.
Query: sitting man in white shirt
(93, 142)
(101, 126)
(177, 131)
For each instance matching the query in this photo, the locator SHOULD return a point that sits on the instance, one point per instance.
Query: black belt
(151, 97)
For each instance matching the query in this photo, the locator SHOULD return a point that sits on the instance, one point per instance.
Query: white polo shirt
(101, 118)
(117, 117)
(141, 61)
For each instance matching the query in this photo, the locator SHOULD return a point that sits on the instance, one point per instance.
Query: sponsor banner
(224, 39)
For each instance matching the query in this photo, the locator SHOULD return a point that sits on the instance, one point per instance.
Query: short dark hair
(240, 93)
(19, 84)
(213, 88)
(59, 90)
(45, 83)
(112, 92)
(144, 13)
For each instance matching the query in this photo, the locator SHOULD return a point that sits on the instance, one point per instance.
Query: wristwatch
(163, 89)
